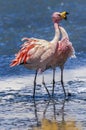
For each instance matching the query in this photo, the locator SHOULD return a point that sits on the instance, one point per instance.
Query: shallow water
(18, 111)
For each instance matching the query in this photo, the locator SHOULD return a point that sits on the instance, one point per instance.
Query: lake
(18, 111)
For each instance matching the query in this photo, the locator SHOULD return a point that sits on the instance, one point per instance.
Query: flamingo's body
(35, 54)
(39, 54)
(64, 51)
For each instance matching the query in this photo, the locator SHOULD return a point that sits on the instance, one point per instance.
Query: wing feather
(23, 54)
(31, 49)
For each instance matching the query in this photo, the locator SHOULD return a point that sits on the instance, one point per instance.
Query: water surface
(18, 111)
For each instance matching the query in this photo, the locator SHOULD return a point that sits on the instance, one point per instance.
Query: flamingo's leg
(62, 80)
(53, 81)
(43, 82)
(34, 84)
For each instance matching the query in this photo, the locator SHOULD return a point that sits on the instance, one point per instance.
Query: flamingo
(36, 53)
(64, 51)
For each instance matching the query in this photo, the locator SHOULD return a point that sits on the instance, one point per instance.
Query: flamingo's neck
(63, 32)
(57, 33)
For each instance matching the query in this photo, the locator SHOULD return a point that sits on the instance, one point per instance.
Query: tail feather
(22, 56)
(14, 63)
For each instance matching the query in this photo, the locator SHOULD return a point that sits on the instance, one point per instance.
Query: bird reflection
(48, 123)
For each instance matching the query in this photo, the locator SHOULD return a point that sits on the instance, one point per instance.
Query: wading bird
(36, 53)
(63, 52)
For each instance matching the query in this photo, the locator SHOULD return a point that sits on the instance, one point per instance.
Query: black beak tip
(66, 18)
(67, 13)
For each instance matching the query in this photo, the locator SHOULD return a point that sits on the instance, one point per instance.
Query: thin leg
(34, 84)
(62, 81)
(35, 110)
(43, 82)
(45, 110)
(53, 81)
(54, 110)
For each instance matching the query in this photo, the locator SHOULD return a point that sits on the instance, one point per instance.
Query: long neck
(57, 33)
(63, 32)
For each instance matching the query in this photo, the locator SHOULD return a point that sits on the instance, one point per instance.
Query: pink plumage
(39, 54)
(63, 52)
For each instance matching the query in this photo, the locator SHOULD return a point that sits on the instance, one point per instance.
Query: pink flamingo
(63, 52)
(37, 53)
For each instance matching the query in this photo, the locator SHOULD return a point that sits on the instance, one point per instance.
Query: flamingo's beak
(64, 15)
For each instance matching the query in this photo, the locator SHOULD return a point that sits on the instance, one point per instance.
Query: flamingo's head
(57, 17)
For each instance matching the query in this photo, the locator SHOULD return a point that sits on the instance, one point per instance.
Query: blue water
(33, 19)
(27, 18)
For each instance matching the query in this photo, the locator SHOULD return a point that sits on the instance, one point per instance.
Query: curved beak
(64, 15)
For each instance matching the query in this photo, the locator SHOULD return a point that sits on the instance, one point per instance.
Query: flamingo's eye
(59, 15)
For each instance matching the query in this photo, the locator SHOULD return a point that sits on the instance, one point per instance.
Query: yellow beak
(64, 15)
